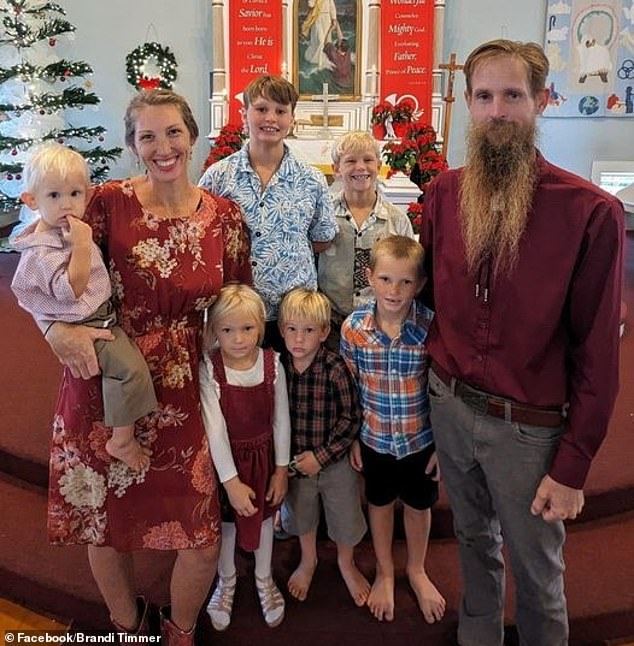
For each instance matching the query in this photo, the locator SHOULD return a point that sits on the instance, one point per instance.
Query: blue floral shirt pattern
(294, 210)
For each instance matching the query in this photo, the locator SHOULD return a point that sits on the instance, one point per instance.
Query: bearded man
(525, 260)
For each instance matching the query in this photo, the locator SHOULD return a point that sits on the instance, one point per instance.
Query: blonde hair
(399, 248)
(53, 158)
(531, 54)
(230, 299)
(157, 97)
(273, 88)
(307, 304)
(355, 142)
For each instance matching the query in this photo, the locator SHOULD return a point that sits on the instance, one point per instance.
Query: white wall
(107, 31)
(572, 143)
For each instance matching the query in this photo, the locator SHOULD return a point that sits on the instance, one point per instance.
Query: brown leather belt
(487, 404)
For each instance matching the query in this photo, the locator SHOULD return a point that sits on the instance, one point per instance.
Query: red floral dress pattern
(164, 274)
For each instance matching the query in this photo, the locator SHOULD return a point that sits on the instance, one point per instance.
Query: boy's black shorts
(387, 478)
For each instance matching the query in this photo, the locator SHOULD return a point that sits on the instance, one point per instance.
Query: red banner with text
(255, 44)
(407, 53)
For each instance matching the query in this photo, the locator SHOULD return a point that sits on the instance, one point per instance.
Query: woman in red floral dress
(170, 247)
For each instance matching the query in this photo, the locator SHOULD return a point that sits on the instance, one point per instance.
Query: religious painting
(590, 49)
(326, 47)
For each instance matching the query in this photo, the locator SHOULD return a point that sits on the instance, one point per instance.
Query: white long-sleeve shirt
(214, 420)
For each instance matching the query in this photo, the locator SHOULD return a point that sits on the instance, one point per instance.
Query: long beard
(496, 192)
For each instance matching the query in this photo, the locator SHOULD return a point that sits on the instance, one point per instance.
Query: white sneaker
(221, 602)
(271, 601)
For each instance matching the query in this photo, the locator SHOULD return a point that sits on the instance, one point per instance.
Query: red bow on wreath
(149, 84)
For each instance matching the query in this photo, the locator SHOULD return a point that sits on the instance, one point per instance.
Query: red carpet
(599, 551)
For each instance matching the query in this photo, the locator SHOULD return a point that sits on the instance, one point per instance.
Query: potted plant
(417, 155)
(400, 156)
(229, 140)
(380, 112)
(415, 215)
(403, 115)
(429, 161)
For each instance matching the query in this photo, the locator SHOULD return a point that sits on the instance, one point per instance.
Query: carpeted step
(31, 375)
(57, 580)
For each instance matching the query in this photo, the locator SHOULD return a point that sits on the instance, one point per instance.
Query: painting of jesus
(326, 47)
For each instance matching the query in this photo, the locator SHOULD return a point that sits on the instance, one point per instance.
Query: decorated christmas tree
(42, 95)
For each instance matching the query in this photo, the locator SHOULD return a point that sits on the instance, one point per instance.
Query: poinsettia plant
(415, 215)
(417, 154)
(229, 140)
(380, 112)
(403, 111)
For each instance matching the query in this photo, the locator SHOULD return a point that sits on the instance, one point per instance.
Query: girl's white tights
(263, 555)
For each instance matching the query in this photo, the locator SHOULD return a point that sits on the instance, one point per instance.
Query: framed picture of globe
(326, 43)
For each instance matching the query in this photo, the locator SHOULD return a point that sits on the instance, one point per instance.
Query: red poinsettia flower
(229, 140)
(417, 154)
(415, 214)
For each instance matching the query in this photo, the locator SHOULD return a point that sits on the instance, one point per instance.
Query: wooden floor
(13, 617)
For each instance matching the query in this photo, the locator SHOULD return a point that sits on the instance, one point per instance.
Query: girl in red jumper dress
(245, 411)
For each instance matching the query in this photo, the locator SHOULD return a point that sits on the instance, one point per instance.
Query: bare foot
(357, 584)
(381, 598)
(430, 601)
(299, 582)
(130, 452)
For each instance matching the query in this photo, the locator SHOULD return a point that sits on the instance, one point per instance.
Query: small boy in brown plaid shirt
(325, 420)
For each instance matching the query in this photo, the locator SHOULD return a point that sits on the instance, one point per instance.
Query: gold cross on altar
(452, 67)
(324, 96)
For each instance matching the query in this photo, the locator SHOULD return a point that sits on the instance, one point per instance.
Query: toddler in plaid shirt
(61, 276)
(325, 420)
(383, 344)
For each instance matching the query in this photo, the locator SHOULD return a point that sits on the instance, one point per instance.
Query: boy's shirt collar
(284, 170)
(29, 237)
(343, 211)
(414, 327)
(316, 363)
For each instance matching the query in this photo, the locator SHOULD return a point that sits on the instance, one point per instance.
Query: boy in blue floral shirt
(286, 202)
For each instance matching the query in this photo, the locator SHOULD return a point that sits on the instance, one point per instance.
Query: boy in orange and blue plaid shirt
(383, 344)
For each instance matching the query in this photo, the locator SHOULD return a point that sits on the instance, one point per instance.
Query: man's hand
(355, 456)
(74, 346)
(307, 463)
(556, 501)
(240, 497)
(277, 486)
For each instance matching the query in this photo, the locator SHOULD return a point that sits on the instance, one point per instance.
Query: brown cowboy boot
(142, 628)
(171, 634)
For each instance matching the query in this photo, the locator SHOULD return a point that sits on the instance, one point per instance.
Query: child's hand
(240, 497)
(277, 486)
(433, 468)
(355, 456)
(307, 463)
(78, 233)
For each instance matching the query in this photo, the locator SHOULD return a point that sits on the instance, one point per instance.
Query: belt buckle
(478, 401)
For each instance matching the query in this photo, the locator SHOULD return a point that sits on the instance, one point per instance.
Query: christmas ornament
(150, 66)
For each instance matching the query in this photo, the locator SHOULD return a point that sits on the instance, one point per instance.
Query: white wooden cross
(325, 97)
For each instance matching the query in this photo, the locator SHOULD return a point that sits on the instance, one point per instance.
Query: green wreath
(163, 57)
